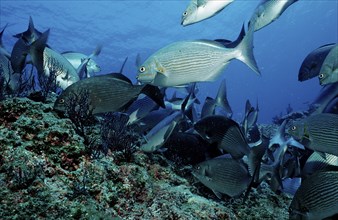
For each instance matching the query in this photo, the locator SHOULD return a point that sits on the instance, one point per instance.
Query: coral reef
(47, 173)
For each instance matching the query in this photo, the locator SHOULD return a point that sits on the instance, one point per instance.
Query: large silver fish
(76, 59)
(317, 162)
(195, 61)
(223, 175)
(45, 60)
(329, 70)
(318, 132)
(313, 62)
(326, 102)
(108, 93)
(316, 198)
(199, 10)
(268, 11)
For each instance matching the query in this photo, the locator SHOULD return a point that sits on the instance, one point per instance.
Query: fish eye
(142, 69)
(61, 101)
(321, 76)
(185, 13)
(293, 128)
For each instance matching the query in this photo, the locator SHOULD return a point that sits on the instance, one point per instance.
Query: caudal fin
(154, 93)
(244, 46)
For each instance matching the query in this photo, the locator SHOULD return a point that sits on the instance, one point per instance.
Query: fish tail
(244, 44)
(96, 52)
(154, 93)
(36, 51)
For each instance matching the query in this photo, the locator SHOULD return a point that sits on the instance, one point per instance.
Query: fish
(199, 10)
(31, 34)
(329, 71)
(291, 185)
(326, 101)
(223, 176)
(319, 162)
(46, 61)
(250, 117)
(140, 109)
(268, 11)
(158, 135)
(11, 80)
(318, 132)
(108, 93)
(76, 59)
(2, 47)
(316, 198)
(208, 107)
(313, 62)
(185, 62)
(225, 132)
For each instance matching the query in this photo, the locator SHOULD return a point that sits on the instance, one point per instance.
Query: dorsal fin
(1, 33)
(121, 77)
(124, 63)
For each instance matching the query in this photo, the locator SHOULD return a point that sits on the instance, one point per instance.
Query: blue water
(126, 28)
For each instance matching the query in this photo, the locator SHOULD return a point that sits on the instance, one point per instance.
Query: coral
(46, 173)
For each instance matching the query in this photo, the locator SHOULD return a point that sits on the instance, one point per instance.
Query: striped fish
(316, 198)
(184, 62)
(223, 175)
(316, 162)
(317, 132)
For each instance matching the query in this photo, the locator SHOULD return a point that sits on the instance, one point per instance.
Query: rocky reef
(46, 172)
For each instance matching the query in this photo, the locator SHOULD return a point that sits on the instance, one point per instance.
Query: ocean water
(127, 28)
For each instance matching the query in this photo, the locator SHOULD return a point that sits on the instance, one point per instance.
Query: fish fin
(221, 98)
(154, 93)
(218, 194)
(1, 34)
(97, 51)
(160, 69)
(121, 77)
(138, 61)
(244, 44)
(322, 154)
(124, 63)
(36, 50)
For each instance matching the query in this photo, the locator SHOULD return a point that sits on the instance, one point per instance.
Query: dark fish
(318, 132)
(109, 93)
(223, 175)
(208, 107)
(225, 132)
(319, 162)
(313, 62)
(316, 198)
(250, 117)
(30, 35)
(185, 148)
(291, 185)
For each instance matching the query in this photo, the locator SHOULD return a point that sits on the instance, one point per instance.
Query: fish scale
(318, 195)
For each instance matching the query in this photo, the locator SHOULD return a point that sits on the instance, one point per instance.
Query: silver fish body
(316, 198)
(54, 62)
(76, 59)
(268, 11)
(329, 70)
(223, 175)
(199, 10)
(10, 79)
(184, 62)
(319, 132)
